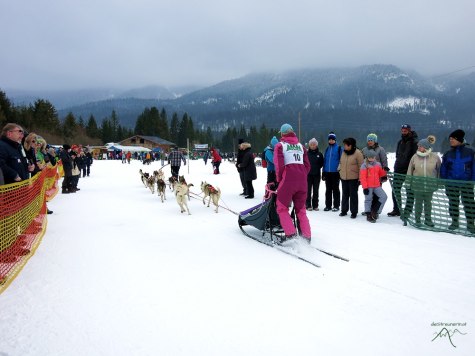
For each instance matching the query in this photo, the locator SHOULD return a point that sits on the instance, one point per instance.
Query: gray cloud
(56, 44)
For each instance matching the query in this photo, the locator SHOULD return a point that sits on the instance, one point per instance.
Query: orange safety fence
(23, 221)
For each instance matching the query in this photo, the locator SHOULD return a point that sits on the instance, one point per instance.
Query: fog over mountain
(61, 45)
(350, 101)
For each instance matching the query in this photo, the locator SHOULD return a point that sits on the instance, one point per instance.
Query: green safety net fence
(435, 204)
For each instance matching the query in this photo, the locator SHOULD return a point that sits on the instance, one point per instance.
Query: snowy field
(120, 273)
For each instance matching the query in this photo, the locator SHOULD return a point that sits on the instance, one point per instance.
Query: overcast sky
(59, 44)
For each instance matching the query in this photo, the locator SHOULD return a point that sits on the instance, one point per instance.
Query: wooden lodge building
(150, 142)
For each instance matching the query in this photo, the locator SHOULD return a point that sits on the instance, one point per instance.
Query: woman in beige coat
(349, 168)
(425, 169)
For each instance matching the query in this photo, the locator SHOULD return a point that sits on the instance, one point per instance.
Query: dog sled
(264, 218)
(262, 224)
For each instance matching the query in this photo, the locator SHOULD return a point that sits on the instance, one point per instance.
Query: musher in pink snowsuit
(291, 168)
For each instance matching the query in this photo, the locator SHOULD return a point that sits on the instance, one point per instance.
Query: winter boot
(374, 214)
(64, 191)
(394, 213)
(369, 218)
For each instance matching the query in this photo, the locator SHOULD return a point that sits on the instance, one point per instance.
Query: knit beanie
(313, 140)
(372, 137)
(285, 129)
(371, 154)
(427, 142)
(459, 135)
(332, 136)
(274, 141)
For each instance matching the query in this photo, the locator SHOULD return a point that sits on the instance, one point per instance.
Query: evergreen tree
(163, 130)
(183, 131)
(243, 133)
(107, 134)
(227, 141)
(45, 116)
(174, 128)
(114, 122)
(6, 110)
(254, 139)
(209, 136)
(91, 128)
(120, 134)
(24, 116)
(140, 128)
(81, 122)
(69, 126)
(154, 121)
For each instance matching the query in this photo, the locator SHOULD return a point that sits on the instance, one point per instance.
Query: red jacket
(371, 174)
(215, 157)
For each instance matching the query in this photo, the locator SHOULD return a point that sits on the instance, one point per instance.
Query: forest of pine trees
(42, 118)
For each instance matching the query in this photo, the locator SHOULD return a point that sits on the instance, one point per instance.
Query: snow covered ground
(120, 273)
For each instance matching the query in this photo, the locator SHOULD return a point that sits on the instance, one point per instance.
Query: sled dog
(181, 191)
(213, 193)
(161, 188)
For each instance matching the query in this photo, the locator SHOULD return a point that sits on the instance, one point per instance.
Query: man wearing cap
(406, 148)
(330, 174)
(458, 164)
(291, 169)
(13, 161)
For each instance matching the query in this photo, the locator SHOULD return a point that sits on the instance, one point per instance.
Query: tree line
(42, 118)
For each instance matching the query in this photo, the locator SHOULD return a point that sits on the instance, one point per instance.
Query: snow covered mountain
(375, 96)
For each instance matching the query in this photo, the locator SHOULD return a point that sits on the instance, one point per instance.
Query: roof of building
(154, 139)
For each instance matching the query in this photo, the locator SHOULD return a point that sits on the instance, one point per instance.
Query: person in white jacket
(425, 168)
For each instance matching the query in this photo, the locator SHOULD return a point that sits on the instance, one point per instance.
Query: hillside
(347, 100)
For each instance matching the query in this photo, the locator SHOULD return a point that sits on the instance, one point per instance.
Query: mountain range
(372, 97)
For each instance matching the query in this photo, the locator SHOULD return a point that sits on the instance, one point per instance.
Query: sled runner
(261, 223)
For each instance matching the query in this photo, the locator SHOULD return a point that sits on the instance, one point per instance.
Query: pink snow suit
(291, 168)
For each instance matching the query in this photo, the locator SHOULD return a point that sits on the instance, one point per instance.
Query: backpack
(263, 160)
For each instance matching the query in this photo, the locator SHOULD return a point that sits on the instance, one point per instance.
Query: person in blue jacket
(269, 157)
(330, 174)
(458, 164)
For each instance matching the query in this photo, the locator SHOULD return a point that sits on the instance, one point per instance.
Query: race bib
(293, 154)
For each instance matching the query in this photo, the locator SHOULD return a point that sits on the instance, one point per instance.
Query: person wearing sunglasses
(13, 161)
(30, 146)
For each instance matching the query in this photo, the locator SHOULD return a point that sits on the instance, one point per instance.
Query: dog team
(181, 189)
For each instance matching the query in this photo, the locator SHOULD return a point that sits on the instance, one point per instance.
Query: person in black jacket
(13, 161)
(89, 159)
(314, 175)
(249, 169)
(240, 154)
(406, 148)
(81, 162)
(67, 168)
